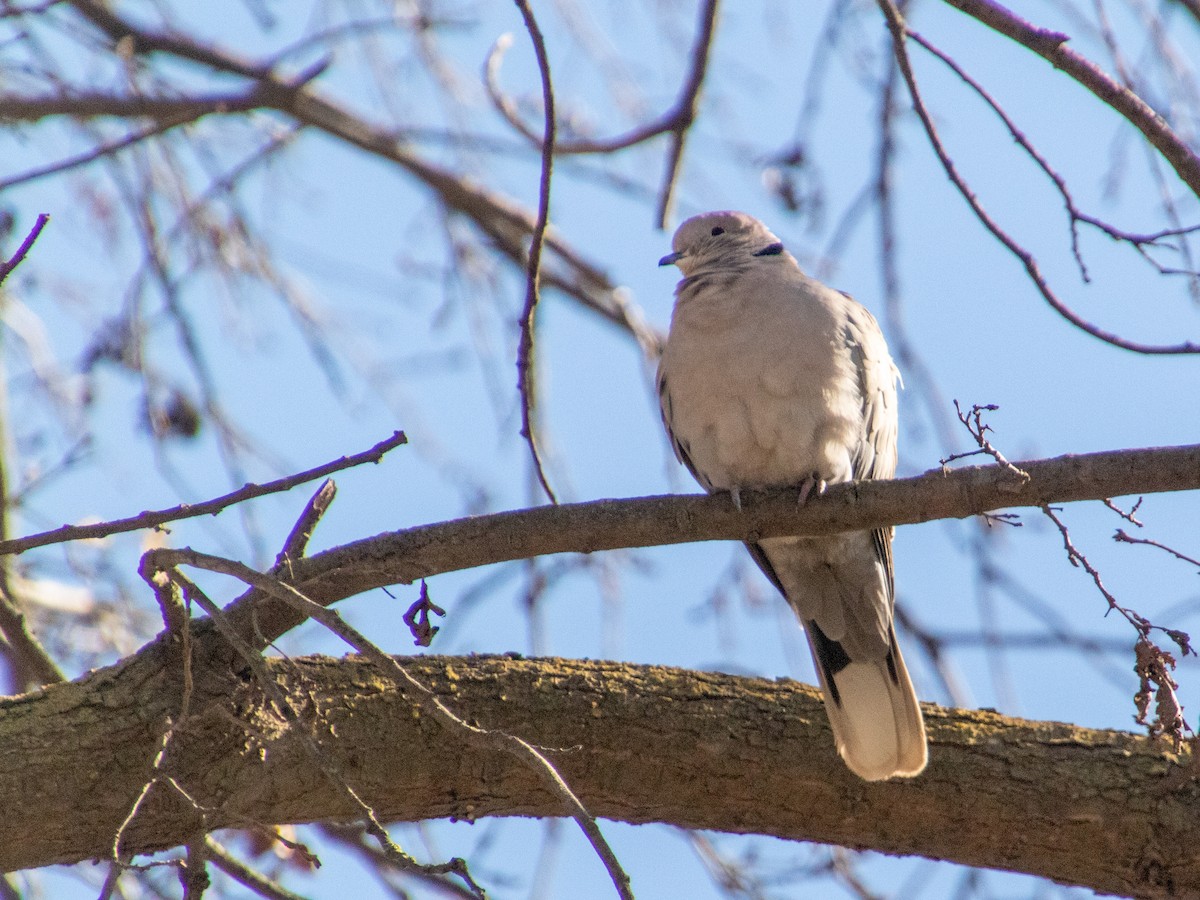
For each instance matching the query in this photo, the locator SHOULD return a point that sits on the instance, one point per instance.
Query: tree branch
(1075, 805)
(156, 518)
(1052, 47)
(411, 554)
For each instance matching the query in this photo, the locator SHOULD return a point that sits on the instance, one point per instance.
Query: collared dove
(769, 379)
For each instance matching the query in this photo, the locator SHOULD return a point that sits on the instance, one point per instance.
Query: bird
(769, 378)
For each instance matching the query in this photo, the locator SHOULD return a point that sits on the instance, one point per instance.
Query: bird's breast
(759, 397)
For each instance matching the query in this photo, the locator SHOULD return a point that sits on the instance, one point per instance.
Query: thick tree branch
(642, 744)
(411, 554)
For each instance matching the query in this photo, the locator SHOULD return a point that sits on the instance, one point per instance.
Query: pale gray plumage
(770, 378)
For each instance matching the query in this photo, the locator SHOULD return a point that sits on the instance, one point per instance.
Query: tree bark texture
(638, 744)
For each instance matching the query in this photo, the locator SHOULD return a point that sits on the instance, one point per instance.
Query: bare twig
(1075, 215)
(246, 876)
(106, 149)
(686, 109)
(355, 840)
(7, 266)
(1153, 664)
(1131, 515)
(1122, 537)
(1052, 46)
(1143, 625)
(297, 540)
(502, 220)
(154, 519)
(973, 421)
(526, 385)
(899, 30)
(678, 118)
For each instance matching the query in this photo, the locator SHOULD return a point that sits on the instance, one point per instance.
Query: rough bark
(639, 744)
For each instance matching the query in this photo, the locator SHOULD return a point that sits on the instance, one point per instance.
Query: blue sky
(365, 249)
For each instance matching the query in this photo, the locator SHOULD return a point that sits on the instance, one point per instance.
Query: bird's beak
(670, 259)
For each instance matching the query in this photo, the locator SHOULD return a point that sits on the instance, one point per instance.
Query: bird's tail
(873, 708)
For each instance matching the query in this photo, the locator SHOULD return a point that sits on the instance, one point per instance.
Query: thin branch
(502, 220)
(1123, 537)
(7, 266)
(899, 30)
(1051, 46)
(156, 518)
(686, 109)
(973, 422)
(1138, 241)
(525, 350)
(97, 152)
(679, 117)
(244, 875)
(298, 538)
(355, 840)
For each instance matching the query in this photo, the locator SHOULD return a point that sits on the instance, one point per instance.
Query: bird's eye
(718, 230)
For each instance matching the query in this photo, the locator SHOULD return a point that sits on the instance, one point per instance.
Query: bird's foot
(810, 484)
(735, 494)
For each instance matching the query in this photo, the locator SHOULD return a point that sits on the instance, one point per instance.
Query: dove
(771, 379)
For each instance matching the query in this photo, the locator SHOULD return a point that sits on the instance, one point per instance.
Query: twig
(107, 149)
(168, 560)
(1052, 47)
(155, 518)
(525, 349)
(354, 839)
(1075, 215)
(502, 220)
(15, 260)
(1131, 515)
(975, 425)
(681, 114)
(244, 875)
(686, 109)
(1153, 663)
(899, 32)
(1143, 625)
(1122, 537)
(298, 538)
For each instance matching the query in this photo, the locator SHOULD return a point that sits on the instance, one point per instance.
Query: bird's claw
(811, 483)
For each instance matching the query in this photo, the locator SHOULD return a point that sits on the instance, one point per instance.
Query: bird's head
(723, 238)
